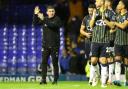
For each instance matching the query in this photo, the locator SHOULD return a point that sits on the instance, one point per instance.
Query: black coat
(51, 30)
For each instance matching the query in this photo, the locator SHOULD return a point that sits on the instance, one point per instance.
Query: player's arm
(109, 20)
(92, 21)
(122, 25)
(109, 23)
(83, 32)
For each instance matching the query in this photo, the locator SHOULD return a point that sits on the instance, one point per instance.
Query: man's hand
(41, 16)
(82, 51)
(88, 35)
(92, 21)
(112, 31)
(113, 25)
(36, 10)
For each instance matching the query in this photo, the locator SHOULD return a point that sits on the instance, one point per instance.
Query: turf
(60, 85)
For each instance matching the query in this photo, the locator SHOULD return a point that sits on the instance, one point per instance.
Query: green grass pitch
(60, 85)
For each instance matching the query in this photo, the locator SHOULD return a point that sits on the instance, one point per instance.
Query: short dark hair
(110, 0)
(125, 2)
(91, 6)
(50, 7)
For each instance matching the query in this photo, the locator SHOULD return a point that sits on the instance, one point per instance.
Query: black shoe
(117, 83)
(90, 83)
(43, 82)
(54, 82)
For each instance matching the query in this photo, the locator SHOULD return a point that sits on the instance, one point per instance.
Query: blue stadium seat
(3, 68)
(31, 63)
(22, 65)
(12, 64)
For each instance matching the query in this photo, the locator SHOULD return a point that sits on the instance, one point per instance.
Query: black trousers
(54, 52)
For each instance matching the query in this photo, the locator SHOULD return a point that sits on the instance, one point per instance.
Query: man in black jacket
(51, 40)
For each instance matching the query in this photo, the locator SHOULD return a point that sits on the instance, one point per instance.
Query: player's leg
(104, 71)
(118, 60)
(93, 71)
(104, 66)
(126, 71)
(110, 60)
(126, 65)
(87, 57)
(94, 65)
(110, 69)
